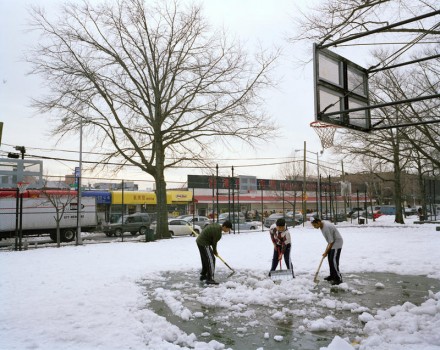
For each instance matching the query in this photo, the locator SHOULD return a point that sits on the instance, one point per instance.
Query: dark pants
(275, 260)
(333, 262)
(208, 261)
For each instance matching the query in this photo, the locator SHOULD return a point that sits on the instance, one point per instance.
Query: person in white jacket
(280, 236)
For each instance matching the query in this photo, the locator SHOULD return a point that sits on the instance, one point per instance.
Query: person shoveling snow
(281, 240)
(207, 244)
(333, 250)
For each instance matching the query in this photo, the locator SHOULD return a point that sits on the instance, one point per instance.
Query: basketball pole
(304, 187)
(318, 200)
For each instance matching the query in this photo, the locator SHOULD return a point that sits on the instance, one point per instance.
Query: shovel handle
(224, 262)
(218, 256)
(317, 271)
(280, 257)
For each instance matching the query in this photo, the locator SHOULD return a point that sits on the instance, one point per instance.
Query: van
(388, 209)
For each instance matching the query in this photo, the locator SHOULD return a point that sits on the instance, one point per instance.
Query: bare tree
(419, 80)
(291, 172)
(60, 200)
(151, 83)
(331, 20)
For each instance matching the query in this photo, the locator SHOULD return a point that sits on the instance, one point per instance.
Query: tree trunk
(57, 219)
(397, 184)
(161, 198)
(422, 192)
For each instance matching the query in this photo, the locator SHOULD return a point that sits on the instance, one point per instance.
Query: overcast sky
(269, 22)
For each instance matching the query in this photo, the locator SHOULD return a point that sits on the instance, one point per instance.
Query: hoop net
(22, 186)
(326, 132)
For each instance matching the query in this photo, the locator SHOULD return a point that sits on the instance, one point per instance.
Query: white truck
(39, 217)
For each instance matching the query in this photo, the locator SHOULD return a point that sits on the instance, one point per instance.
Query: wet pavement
(249, 311)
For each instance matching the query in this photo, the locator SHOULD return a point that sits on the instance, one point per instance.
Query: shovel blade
(281, 275)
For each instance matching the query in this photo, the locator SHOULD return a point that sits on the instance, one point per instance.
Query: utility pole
(78, 201)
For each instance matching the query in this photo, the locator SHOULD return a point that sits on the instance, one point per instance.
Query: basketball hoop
(325, 131)
(22, 186)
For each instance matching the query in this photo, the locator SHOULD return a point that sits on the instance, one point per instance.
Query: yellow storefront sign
(150, 197)
(179, 196)
(134, 197)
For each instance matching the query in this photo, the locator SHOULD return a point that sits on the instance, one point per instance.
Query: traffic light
(13, 155)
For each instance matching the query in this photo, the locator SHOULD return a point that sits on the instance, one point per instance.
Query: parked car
(238, 216)
(179, 227)
(290, 221)
(340, 217)
(202, 221)
(311, 216)
(298, 215)
(368, 214)
(354, 212)
(134, 223)
(410, 211)
(376, 214)
(243, 226)
(184, 216)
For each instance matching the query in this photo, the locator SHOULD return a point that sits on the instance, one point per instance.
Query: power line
(290, 159)
(170, 167)
(108, 154)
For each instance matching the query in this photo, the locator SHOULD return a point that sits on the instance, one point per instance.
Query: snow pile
(405, 327)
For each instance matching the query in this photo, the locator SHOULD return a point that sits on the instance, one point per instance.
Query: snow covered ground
(101, 296)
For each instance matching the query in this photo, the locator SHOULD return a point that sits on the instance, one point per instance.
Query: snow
(93, 296)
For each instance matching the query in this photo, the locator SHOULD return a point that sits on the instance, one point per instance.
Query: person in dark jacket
(207, 244)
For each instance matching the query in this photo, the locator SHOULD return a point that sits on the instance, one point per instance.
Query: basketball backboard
(341, 91)
(342, 97)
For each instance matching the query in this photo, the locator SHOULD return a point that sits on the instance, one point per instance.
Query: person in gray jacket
(207, 244)
(333, 250)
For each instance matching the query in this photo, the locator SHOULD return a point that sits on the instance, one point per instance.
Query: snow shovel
(224, 262)
(316, 279)
(218, 256)
(281, 275)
